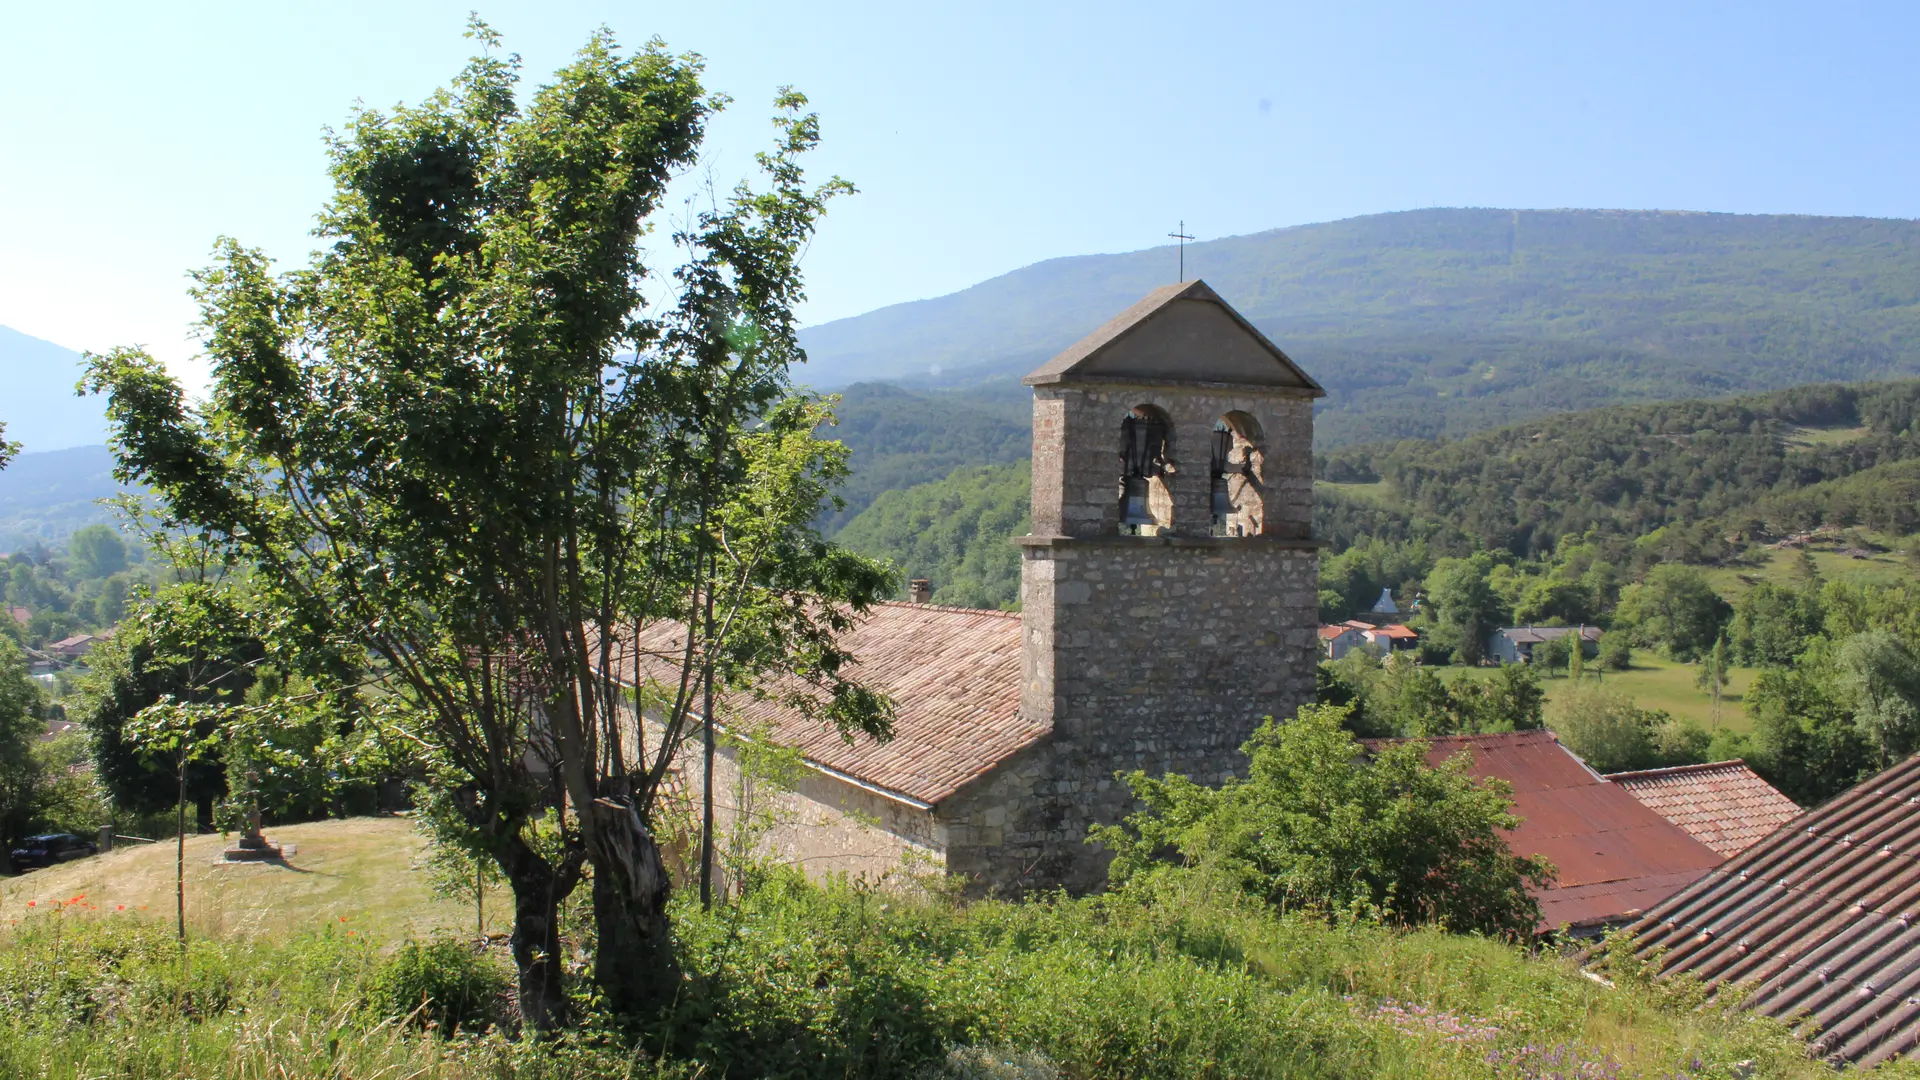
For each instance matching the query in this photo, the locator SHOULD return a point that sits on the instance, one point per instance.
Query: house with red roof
(1724, 805)
(1613, 856)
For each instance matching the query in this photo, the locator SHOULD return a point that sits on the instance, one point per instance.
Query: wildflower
(31, 903)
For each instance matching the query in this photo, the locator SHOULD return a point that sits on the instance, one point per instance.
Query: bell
(1222, 503)
(1133, 508)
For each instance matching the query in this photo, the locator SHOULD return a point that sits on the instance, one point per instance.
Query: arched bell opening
(1237, 463)
(1146, 460)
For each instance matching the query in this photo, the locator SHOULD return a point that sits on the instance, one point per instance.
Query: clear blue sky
(984, 136)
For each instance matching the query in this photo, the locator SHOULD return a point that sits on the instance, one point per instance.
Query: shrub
(442, 984)
(1318, 824)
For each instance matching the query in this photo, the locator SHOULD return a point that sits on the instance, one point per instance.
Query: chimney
(920, 591)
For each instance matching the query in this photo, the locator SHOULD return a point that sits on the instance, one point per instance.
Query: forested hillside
(1445, 322)
(1693, 481)
(897, 438)
(1716, 474)
(45, 497)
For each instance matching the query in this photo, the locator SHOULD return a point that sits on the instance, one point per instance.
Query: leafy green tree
(1805, 740)
(1464, 605)
(1603, 726)
(1674, 609)
(20, 727)
(1879, 676)
(97, 552)
(1616, 651)
(1319, 823)
(464, 443)
(1772, 623)
(178, 734)
(192, 644)
(1510, 700)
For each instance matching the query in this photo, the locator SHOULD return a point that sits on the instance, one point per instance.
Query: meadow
(801, 980)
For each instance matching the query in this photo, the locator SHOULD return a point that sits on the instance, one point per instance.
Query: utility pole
(1180, 234)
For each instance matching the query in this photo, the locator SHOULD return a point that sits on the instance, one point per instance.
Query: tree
(192, 644)
(179, 734)
(1879, 677)
(1805, 739)
(97, 552)
(20, 727)
(1319, 823)
(1713, 676)
(1676, 609)
(1604, 727)
(464, 443)
(1616, 651)
(1510, 700)
(1771, 624)
(1464, 604)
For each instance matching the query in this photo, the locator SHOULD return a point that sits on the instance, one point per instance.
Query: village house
(1514, 644)
(1614, 857)
(1339, 639)
(1169, 591)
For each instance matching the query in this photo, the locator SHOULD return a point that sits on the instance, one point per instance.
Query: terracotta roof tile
(1724, 805)
(954, 675)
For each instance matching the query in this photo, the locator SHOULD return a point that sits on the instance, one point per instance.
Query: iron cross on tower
(1180, 234)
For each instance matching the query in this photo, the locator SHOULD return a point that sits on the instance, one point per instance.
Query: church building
(1169, 603)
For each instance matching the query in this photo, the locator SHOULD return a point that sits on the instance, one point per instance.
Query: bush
(442, 984)
(1616, 651)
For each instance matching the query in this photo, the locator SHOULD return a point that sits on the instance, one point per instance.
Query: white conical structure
(1385, 605)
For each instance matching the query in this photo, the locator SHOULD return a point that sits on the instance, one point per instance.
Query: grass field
(365, 871)
(1378, 491)
(1780, 568)
(1656, 683)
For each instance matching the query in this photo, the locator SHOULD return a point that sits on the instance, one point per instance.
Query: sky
(982, 136)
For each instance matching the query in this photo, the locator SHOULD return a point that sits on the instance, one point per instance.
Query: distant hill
(45, 497)
(37, 402)
(898, 438)
(1445, 322)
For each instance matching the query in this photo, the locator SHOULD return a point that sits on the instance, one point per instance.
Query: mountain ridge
(1446, 321)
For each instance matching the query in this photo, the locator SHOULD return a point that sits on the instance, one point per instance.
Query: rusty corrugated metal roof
(1818, 919)
(1613, 857)
(1724, 805)
(954, 676)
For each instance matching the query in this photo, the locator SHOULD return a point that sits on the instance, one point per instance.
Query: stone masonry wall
(1160, 653)
(1076, 456)
(1151, 653)
(822, 823)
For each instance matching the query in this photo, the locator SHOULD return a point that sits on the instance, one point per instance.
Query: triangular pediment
(1180, 334)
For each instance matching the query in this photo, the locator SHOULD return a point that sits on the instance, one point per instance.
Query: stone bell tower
(1170, 585)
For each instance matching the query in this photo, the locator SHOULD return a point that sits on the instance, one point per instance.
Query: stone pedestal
(252, 847)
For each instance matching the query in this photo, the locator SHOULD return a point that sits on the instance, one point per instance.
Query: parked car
(49, 848)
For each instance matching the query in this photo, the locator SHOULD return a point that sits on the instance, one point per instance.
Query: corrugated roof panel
(1819, 917)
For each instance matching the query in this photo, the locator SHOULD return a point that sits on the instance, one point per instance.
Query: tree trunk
(536, 937)
(633, 963)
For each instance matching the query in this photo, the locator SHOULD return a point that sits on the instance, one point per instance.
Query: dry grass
(365, 871)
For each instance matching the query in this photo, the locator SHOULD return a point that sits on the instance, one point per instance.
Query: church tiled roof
(953, 673)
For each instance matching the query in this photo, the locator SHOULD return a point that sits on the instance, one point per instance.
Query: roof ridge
(947, 607)
(1670, 770)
